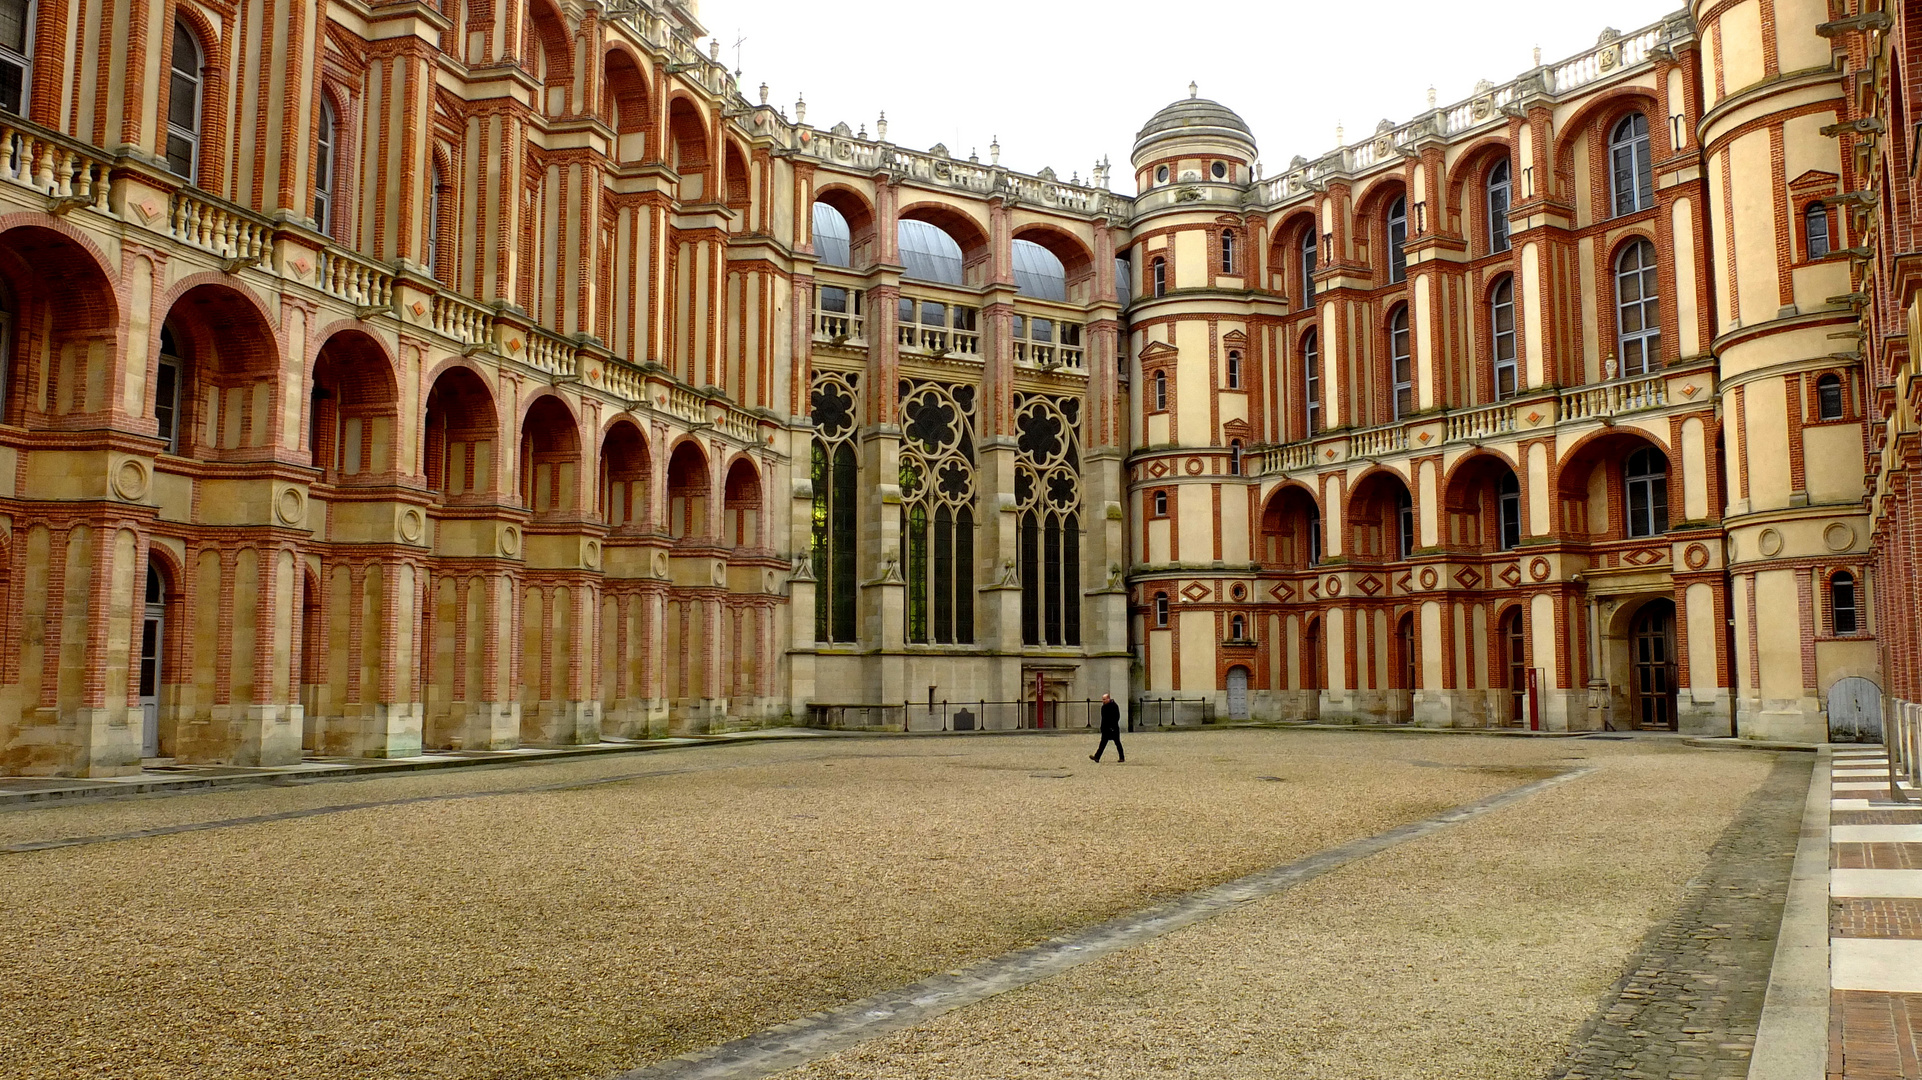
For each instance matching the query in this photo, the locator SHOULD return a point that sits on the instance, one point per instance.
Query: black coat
(1110, 718)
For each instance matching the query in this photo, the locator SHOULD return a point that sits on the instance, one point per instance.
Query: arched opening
(1397, 238)
(1038, 273)
(1496, 197)
(844, 232)
(153, 649)
(942, 244)
(687, 493)
(624, 105)
(1381, 519)
(741, 504)
(1482, 506)
(224, 359)
(688, 135)
(57, 318)
(352, 409)
(624, 475)
(1512, 642)
(550, 458)
(1613, 488)
(1050, 264)
(552, 55)
(739, 179)
(458, 439)
(1291, 530)
(1630, 173)
(326, 139)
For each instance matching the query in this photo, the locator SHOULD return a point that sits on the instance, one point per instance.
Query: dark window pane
(1051, 589)
(964, 577)
(1030, 580)
(1071, 582)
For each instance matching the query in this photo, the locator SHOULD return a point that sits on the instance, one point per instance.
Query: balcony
(1599, 401)
(1047, 343)
(837, 316)
(938, 328)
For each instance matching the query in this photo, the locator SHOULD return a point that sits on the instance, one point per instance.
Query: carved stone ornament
(803, 567)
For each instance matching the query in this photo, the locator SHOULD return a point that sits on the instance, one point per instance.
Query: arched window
(16, 55)
(1234, 457)
(1842, 603)
(1238, 628)
(1646, 476)
(1630, 174)
(1308, 253)
(1311, 381)
(1501, 321)
(1159, 271)
(928, 253)
(1498, 190)
(835, 498)
(436, 203)
(1828, 397)
(1161, 609)
(1234, 369)
(183, 104)
(1227, 249)
(1398, 239)
(831, 236)
(324, 169)
(1402, 368)
(1508, 495)
(1815, 227)
(1161, 504)
(1405, 522)
(1038, 272)
(1638, 310)
(166, 391)
(1161, 391)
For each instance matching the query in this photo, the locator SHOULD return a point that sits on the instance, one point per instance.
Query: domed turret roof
(1194, 113)
(1194, 118)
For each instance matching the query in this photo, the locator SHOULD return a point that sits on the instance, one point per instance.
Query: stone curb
(1792, 1040)
(1723, 742)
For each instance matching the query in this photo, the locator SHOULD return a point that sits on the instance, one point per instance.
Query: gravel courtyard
(639, 906)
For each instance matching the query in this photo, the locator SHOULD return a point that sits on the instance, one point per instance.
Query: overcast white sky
(1063, 84)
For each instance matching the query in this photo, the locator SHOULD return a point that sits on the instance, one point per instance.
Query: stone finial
(1431, 97)
(714, 48)
(864, 131)
(994, 151)
(1538, 56)
(1340, 137)
(764, 93)
(801, 109)
(1193, 90)
(881, 127)
(974, 155)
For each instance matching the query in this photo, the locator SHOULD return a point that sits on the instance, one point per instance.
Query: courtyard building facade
(462, 375)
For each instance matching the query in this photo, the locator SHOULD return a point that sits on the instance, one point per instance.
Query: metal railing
(1160, 712)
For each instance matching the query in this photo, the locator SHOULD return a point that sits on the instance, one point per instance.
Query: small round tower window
(1221, 170)
(1239, 592)
(1161, 175)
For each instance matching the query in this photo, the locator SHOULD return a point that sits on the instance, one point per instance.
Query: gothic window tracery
(1047, 492)
(937, 511)
(835, 483)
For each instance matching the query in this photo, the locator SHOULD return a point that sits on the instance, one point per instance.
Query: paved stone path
(800, 1041)
(1690, 1005)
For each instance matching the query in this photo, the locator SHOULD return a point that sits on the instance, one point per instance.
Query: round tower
(1197, 388)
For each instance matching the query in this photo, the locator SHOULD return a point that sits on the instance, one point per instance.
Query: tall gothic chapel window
(937, 511)
(835, 482)
(1047, 493)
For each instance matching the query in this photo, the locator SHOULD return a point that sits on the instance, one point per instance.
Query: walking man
(1110, 730)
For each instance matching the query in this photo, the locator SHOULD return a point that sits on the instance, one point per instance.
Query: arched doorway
(1855, 711)
(1237, 693)
(1514, 648)
(1652, 657)
(152, 646)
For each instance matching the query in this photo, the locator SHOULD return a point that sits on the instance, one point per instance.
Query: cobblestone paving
(1690, 1005)
(1857, 917)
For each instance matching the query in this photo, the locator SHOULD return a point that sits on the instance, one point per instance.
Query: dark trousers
(1111, 737)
